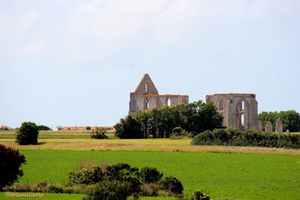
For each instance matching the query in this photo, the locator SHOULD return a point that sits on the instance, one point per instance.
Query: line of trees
(159, 122)
(290, 119)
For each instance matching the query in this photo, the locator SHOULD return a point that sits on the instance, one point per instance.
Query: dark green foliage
(246, 138)
(128, 128)
(290, 119)
(27, 134)
(160, 122)
(108, 181)
(110, 190)
(10, 163)
(55, 189)
(171, 184)
(200, 196)
(124, 173)
(150, 175)
(43, 128)
(99, 133)
(88, 128)
(86, 176)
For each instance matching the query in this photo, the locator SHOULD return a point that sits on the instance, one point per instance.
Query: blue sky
(74, 62)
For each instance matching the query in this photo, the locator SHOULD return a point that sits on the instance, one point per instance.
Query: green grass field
(222, 172)
(222, 175)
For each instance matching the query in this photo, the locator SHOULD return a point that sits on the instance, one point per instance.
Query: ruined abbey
(238, 110)
(146, 97)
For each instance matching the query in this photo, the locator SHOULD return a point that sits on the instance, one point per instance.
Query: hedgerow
(229, 137)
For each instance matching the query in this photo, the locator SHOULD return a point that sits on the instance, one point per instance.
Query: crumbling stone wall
(146, 96)
(238, 110)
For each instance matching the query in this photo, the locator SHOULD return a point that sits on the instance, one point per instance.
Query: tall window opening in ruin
(243, 120)
(243, 115)
(221, 105)
(147, 104)
(146, 88)
(168, 101)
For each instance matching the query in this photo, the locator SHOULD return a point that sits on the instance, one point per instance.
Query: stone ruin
(146, 97)
(238, 110)
(269, 127)
(278, 126)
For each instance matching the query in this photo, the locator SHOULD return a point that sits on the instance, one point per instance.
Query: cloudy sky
(74, 62)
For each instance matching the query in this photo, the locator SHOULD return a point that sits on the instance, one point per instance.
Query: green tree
(290, 119)
(10, 163)
(159, 122)
(43, 128)
(27, 134)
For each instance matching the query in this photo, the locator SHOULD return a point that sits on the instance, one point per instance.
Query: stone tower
(146, 97)
(238, 110)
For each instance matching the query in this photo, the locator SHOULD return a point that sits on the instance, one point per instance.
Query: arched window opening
(243, 105)
(221, 105)
(243, 120)
(146, 88)
(169, 101)
(147, 104)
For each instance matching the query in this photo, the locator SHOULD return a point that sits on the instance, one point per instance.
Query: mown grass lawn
(222, 175)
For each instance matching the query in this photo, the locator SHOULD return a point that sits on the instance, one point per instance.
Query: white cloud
(25, 21)
(17, 24)
(33, 49)
(112, 24)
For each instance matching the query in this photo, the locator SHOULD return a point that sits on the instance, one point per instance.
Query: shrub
(27, 134)
(110, 190)
(10, 163)
(124, 173)
(200, 196)
(55, 189)
(88, 128)
(172, 184)
(149, 189)
(86, 176)
(150, 175)
(99, 133)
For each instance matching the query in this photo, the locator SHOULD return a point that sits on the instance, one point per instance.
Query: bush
(55, 189)
(124, 173)
(86, 176)
(178, 133)
(110, 190)
(27, 134)
(200, 196)
(150, 175)
(246, 138)
(107, 182)
(10, 163)
(172, 185)
(149, 189)
(99, 133)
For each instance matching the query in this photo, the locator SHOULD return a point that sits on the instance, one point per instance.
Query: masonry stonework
(238, 110)
(146, 97)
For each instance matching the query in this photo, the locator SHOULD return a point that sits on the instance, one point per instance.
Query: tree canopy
(290, 119)
(159, 122)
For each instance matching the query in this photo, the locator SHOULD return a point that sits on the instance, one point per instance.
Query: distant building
(85, 128)
(146, 97)
(238, 110)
